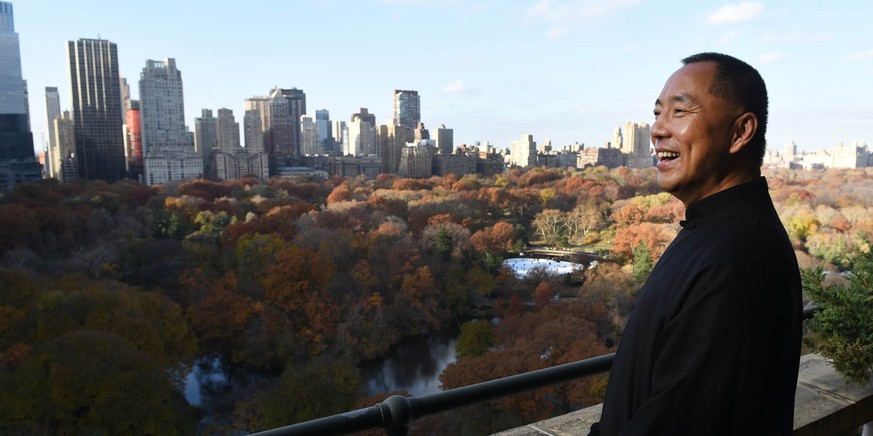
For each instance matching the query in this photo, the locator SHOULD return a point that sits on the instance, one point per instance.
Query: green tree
(833, 247)
(642, 262)
(476, 338)
(444, 245)
(322, 387)
(16, 300)
(800, 226)
(255, 255)
(146, 320)
(843, 329)
(90, 382)
(210, 222)
(170, 224)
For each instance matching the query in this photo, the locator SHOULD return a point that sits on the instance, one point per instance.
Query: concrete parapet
(825, 404)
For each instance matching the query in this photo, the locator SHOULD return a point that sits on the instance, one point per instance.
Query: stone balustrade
(825, 405)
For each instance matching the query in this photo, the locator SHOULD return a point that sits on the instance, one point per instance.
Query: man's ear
(744, 130)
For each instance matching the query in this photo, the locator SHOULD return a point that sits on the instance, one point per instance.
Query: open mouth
(667, 155)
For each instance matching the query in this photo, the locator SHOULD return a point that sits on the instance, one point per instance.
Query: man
(713, 344)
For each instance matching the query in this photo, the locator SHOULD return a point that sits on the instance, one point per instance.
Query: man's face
(692, 135)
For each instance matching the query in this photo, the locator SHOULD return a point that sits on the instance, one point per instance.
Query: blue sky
(561, 70)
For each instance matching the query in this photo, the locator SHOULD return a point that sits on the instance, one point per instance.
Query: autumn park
(111, 293)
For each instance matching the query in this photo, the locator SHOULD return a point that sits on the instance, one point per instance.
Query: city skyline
(565, 71)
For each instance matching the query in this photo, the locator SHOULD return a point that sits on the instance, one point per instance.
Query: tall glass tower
(53, 112)
(407, 108)
(96, 101)
(12, 85)
(17, 162)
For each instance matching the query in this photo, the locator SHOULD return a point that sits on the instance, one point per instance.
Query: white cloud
(563, 15)
(860, 55)
(770, 58)
(735, 13)
(456, 87)
(631, 47)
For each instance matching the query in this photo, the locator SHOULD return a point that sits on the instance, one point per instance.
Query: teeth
(667, 154)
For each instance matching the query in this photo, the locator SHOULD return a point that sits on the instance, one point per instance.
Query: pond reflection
(413, 366)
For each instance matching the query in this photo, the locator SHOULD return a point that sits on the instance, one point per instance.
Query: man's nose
(657, 131)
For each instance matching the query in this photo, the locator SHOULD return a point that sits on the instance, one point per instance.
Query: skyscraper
(253, 134)
(96, 102)
(309, 143)
(68, 168)
(280, 123)
(124, 88)
(445, 140)
(407, 108)
(361, 135)
(296, 109)
(325, 136)
(134, 138)
(339, 134)
(227, 131)
(17, 161)
(391, 140)
(162, 105)
(168, 148)
(229, 159)
(636, 145)
(205, 140)
(523, 153)
(53, 111)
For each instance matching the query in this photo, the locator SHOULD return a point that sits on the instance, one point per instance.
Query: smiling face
(698, 136)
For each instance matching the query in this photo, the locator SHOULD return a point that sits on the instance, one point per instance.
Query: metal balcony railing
(397, 412)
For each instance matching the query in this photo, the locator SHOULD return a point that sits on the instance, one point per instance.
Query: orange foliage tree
(297, 284)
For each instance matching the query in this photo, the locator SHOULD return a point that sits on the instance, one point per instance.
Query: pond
(413, 366)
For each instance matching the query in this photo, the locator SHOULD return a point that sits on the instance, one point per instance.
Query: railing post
(400, 413)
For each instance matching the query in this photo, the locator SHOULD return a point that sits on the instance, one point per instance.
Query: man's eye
(656, 113)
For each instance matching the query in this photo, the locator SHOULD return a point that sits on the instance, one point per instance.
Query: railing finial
(400, 413)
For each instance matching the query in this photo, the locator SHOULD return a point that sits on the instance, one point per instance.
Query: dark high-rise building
(96, 101)
(325, 135)
(296, 109)
(17, 161)
(205, 140)
(407, 108)
(279, 115)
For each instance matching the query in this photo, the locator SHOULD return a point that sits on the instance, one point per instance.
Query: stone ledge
(825, 404)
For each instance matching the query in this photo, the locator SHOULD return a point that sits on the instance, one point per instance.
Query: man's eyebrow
(678, 98)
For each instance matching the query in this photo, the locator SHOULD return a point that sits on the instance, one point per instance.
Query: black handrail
(397, 412)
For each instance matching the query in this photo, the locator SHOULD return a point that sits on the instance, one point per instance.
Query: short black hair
(739, 83)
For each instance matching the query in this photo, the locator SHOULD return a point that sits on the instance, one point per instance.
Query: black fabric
(713, 344)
